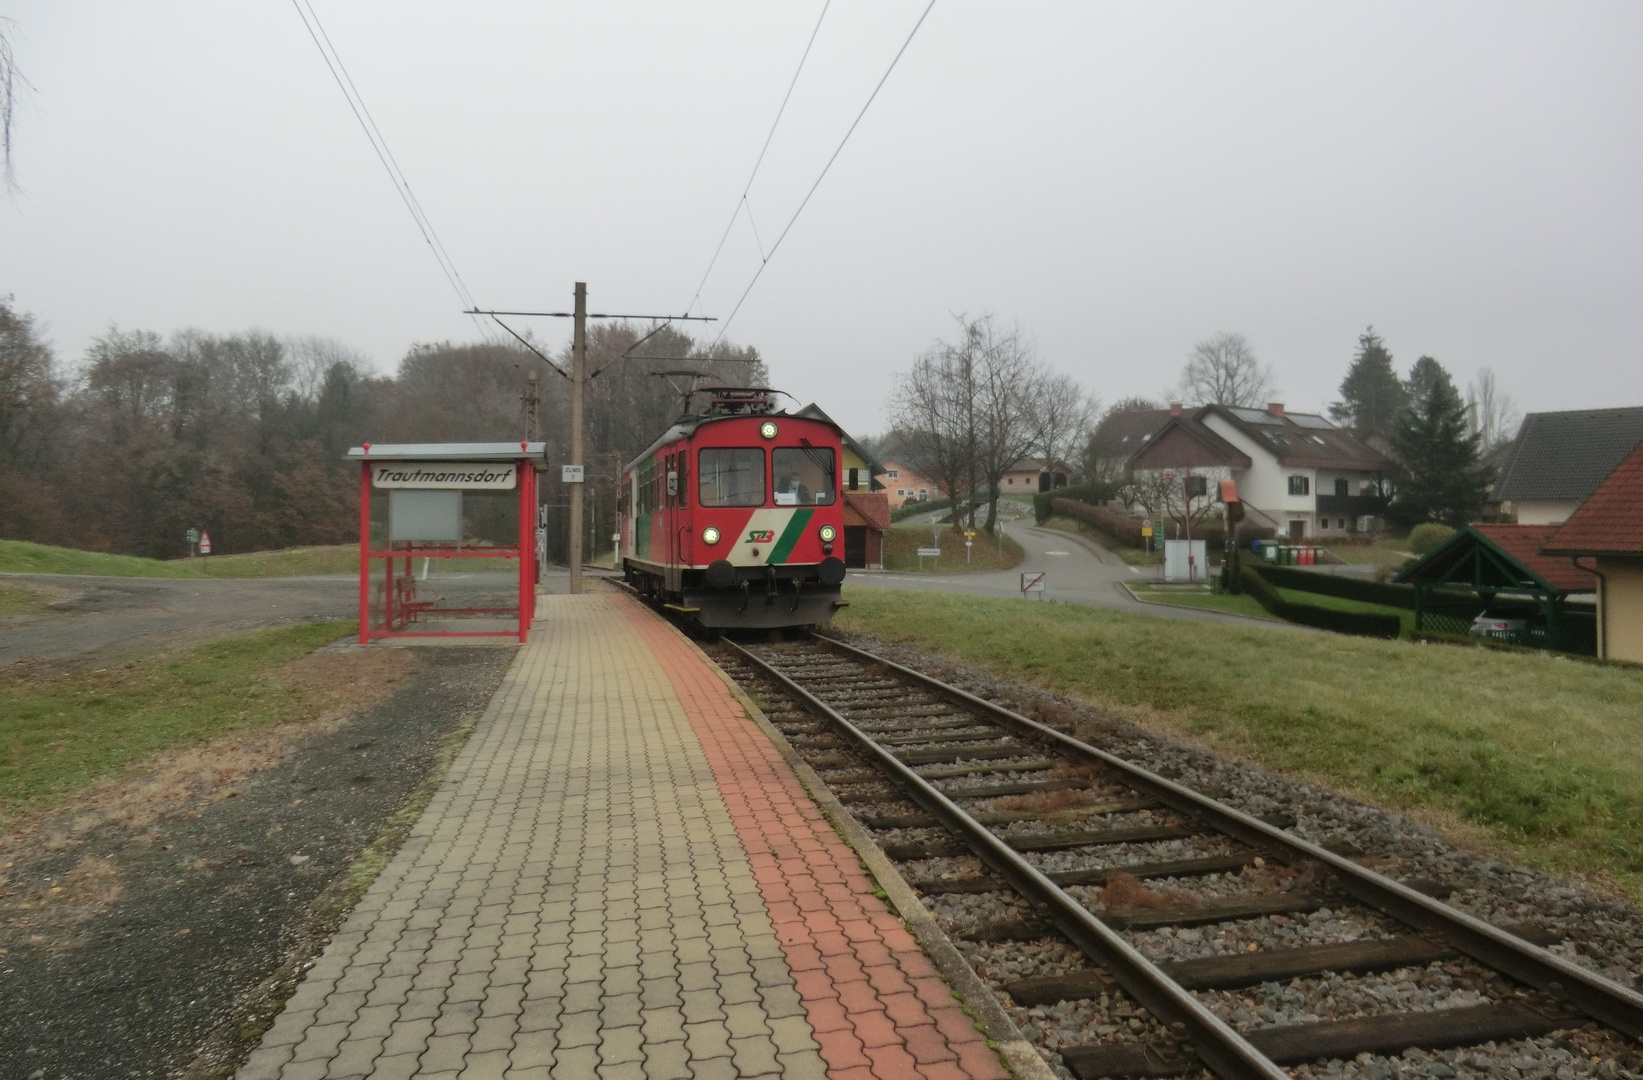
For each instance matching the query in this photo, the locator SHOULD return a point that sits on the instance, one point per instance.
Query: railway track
(1090, 849)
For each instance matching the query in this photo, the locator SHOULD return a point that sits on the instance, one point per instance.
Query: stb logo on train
(761, 536)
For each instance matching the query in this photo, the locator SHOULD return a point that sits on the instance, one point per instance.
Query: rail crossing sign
(1032, 581)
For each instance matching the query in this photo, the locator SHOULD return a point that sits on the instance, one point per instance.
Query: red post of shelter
(365, 550)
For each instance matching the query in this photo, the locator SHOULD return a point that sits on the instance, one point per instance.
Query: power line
(765, 260)
(379, 144)
(742, 201)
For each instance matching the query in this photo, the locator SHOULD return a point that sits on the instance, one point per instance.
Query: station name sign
(463, 475)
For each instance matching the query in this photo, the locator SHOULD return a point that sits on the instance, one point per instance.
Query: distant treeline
(246, 434)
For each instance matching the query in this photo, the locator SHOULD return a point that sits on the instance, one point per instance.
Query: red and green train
(734, 515)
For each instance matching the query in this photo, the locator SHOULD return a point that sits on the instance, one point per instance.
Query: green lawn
(1387, 551)
(902, 542)
(1528, 755)
(1200, 598)
(20, 557)
(60, 734)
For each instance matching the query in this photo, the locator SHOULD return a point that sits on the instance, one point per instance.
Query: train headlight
(827, 533)
(768, 429)
(710, 535)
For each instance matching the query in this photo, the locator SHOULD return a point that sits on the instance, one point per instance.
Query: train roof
(686, 426)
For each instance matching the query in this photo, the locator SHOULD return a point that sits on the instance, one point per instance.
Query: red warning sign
(205, 542)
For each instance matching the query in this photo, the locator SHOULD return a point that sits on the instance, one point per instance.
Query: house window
(923, 494)
(1010, 481)
(1300, 485)
(1199, 485)
(1341, 485)
(892, 473)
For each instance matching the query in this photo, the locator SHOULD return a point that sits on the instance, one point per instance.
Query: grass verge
(1133, 556)
(902, 542)
(1194, 597)
(21, 600)
(21, 557)
(59, 734)
(1528, 756)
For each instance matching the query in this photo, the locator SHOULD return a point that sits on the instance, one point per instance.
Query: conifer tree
(1439, 476)
(1372, 395)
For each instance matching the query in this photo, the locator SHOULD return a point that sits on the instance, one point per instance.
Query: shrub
(909, 508)
(1363, 624)
(1084, 493)
(1423, 538)
(1126, 530)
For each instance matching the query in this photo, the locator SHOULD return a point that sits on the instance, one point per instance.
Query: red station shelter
(426, 484)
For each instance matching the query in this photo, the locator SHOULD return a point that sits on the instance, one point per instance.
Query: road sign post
(1032, 581)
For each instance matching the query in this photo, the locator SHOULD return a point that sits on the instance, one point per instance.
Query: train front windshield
(731, 477)
(804, 475)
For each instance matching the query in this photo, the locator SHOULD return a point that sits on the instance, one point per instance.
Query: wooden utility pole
(578, 389)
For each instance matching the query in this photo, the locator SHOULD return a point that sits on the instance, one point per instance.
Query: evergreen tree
(1439, 475)
(1372, 395)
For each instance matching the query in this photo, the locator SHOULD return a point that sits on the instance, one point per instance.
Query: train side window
(731, 476)
(804, 475)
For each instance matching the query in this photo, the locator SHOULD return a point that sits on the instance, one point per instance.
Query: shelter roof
(874, 507)
(1504, 558)
(454, 451)
(1566, 455)
(1301, 440)
(1610, 522)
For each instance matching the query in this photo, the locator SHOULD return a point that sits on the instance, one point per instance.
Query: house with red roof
(1604, 537)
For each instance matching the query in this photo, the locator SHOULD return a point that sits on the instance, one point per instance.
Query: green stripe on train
(790, 535)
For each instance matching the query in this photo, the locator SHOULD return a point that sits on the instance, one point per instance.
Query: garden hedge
(1092, 494)
(1362, 624)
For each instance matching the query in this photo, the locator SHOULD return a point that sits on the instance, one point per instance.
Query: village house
(1296, 473)
(902, 485)
(1559, 458)
(1608, 529)
(1031, 475)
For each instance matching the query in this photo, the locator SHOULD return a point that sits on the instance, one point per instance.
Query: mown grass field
(61, 733)
(1244, 604)
(902, 542)
(20, 557)
(1526, 755)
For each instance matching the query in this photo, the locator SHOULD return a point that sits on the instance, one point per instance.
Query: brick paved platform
(621, 879)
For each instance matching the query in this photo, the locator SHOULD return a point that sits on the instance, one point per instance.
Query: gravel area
(211, 912)
(1601, 932)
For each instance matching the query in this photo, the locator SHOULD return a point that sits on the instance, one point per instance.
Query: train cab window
(731, 477)
(804, 475)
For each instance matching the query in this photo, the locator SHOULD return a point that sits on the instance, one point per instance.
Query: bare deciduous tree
(11, 80)
(1490, 414)
(1063, 416)
(1223, 370)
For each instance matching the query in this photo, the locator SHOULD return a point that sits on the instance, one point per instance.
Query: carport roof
(450, 451)
(1498, 557)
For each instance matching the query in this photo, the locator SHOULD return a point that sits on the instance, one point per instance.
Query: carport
(1501, 565)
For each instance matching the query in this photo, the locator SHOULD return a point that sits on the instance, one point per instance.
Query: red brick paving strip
(879, 1009)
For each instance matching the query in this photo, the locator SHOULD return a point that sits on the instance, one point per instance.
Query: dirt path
(126, 947)
(100, 617)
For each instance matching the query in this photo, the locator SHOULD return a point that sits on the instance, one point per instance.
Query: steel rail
(1592, 994)
(1216, 1043)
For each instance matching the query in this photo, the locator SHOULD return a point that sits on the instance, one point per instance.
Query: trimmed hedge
(1464, 605)
(1084, 493)
(1126, 530)
(1362, 624)
(910, 507)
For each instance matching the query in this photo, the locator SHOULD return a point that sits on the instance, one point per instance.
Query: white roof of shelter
(450, 451)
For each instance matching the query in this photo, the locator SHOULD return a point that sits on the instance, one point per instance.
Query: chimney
(1276, 408)
(1175, 408)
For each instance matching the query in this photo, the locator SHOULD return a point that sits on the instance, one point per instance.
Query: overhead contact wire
(765, 261)
(742, 202)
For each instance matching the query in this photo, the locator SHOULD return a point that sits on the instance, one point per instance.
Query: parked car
(1505, 627)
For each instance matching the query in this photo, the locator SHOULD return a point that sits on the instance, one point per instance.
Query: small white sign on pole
(932, 552)
(571, 474)
(1032, 581)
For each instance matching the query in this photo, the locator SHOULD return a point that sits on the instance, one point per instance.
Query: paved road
(1079, 571)
(104, 616)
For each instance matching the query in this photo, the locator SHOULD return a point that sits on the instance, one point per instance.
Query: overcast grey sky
(1122, 179)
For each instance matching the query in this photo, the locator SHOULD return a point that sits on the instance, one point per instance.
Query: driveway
(99, 617)
(1077, 571)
